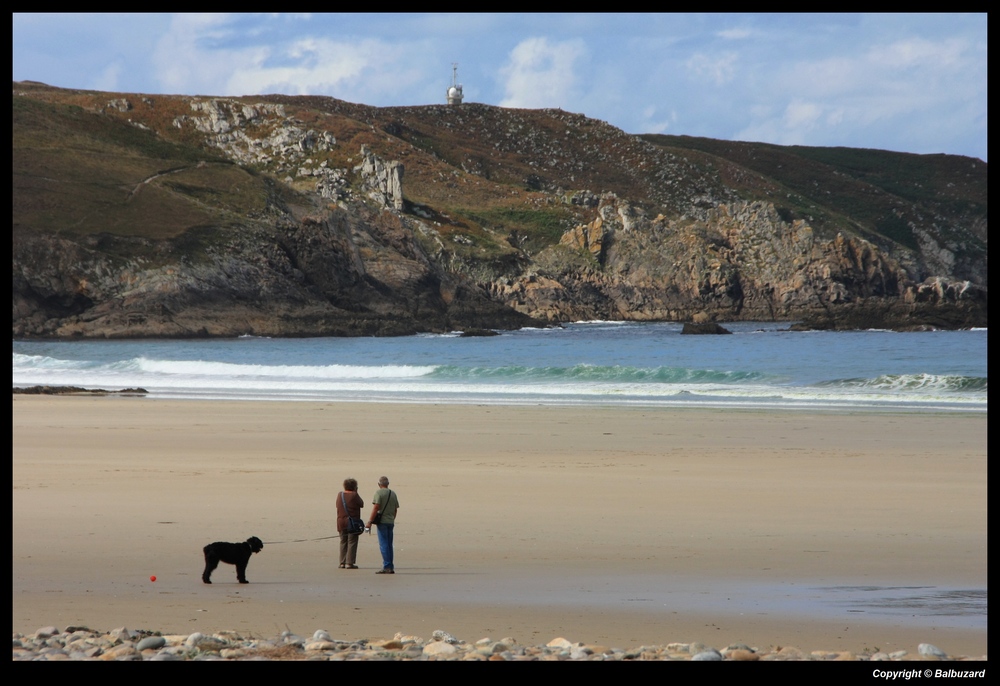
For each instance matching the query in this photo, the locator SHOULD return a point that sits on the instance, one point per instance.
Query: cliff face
(171, 216)
(352, 272)
(741, 262)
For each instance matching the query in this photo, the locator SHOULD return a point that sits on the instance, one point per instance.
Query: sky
(906, 82)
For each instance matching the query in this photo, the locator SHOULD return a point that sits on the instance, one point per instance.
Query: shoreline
(458, 400)
(621, 526)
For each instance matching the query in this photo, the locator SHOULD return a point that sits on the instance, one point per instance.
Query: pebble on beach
(81, 643)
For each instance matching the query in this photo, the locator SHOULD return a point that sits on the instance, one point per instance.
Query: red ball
(152, 578)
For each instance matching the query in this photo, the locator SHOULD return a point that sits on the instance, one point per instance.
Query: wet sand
(612, 526)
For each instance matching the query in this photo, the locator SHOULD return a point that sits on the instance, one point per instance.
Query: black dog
(231, 553)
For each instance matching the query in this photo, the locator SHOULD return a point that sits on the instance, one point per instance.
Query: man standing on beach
(385, 503)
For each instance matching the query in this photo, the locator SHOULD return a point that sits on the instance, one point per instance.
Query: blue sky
(907, 82)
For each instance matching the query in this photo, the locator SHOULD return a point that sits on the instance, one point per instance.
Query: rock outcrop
(383, 179)
(703, 328)
(346, 272)
(741, 262)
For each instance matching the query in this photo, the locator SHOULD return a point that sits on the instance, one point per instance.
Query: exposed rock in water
(75, 390)
(698, 328)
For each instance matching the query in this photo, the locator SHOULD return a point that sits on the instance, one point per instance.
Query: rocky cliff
(292, 216)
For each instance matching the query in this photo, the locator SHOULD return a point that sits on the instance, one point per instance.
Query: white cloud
(650, 125)
(314, 65)
(208, 54)
(540, 73)
(918, 52)
(733, 34)
(889, 95)
(835, 116)
(802, 115)
(184, 64)
(719, 69)
(107, 80)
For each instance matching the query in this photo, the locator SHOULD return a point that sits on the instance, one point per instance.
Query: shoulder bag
(354, 525)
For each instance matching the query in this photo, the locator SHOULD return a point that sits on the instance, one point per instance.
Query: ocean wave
(902, 383)
(596, 373)
(332, 371)
(222, 370)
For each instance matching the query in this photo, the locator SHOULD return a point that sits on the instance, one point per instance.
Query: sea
(761, 365)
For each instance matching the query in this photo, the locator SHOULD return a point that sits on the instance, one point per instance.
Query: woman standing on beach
(349, 505)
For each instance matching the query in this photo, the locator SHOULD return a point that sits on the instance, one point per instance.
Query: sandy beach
(613, 526)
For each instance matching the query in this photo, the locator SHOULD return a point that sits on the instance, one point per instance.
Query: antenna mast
(455, 92)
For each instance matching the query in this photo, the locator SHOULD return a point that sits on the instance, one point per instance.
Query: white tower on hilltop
(455, 92)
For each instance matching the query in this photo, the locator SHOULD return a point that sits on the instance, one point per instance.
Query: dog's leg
(211, 562)
(241, 572)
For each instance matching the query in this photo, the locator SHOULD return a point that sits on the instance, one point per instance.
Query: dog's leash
(301, 540)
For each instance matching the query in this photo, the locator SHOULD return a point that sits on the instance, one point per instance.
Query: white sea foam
(333, 371)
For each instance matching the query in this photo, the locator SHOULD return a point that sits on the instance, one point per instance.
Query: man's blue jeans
(385, 544)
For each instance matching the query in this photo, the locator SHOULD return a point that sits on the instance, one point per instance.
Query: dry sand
(619, 527)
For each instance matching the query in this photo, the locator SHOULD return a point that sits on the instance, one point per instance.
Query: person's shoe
(385, 571)
(342, 565)
(352, 566)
